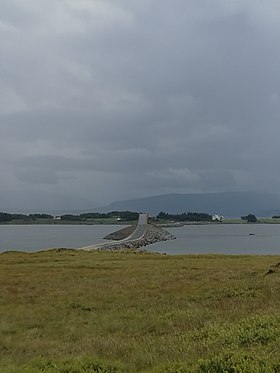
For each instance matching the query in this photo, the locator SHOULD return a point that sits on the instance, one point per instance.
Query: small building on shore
(217, 217)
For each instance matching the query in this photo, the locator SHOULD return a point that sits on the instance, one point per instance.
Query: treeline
(251, 218)
(4, 216)
(122, 215)
(189, 216)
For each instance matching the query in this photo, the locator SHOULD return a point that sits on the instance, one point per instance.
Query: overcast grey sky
(103, 100)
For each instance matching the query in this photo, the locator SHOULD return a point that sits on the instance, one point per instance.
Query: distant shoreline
(124, 222)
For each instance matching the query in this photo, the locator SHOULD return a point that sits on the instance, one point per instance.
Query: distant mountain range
(228, 204)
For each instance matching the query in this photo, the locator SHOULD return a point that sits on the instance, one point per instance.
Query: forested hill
(231, 204)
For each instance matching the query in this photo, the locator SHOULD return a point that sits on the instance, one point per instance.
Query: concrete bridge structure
(143, 235)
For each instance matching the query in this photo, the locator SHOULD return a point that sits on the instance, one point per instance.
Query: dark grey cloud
(104, 100)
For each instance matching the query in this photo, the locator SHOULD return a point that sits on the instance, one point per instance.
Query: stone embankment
(152, 235)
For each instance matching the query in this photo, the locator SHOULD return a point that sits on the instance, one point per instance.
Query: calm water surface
(39, 237)
(223, 239)
(191, 239)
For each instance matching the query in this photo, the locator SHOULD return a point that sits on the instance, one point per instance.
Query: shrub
(84, 365)
(234, 363)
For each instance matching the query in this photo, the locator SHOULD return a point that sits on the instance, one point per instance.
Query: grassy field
(260, 221)
(110, 312)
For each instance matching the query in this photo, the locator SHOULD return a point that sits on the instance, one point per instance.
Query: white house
(217, 217)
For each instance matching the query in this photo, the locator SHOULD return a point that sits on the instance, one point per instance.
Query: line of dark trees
(189, 216)
(251, 218)
(123, 215)
(4, 216)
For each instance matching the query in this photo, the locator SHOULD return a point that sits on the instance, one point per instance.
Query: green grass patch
(111, 312)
